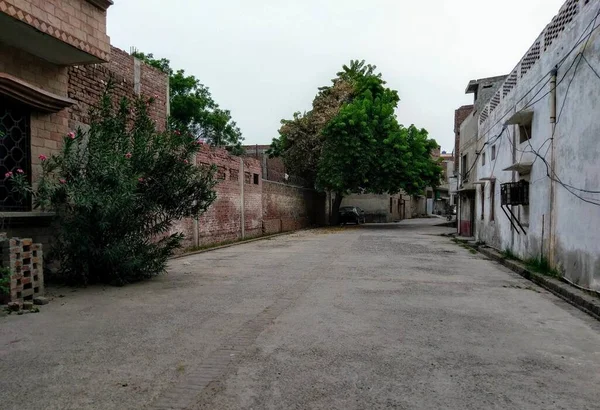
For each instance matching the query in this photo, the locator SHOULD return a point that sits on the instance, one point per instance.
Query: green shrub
(4, 281)
(542, 265)
(116, 190)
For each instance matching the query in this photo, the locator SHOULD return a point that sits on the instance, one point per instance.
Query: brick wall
(288, 208)
(269, 207)
(222, 221)
(459, 116)
(87, 84)
(34, 70)
(75, 22)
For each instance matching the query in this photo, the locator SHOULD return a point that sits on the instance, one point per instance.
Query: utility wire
(592, 23)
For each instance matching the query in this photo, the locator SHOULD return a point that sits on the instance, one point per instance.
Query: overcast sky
(265, 59)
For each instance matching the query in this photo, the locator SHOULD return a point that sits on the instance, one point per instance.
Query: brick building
(55, 62)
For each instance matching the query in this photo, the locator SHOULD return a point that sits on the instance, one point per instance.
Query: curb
(241, 242)
(576, 297)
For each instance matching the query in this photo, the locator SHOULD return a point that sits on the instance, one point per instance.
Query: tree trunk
(335, 210)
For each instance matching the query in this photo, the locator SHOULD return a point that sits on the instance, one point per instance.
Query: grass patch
(473, 251)
(542, 266)
(508, 254)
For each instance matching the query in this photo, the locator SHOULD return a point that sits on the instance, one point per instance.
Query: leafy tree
(193, 108)
(352, 142)
(116, 190)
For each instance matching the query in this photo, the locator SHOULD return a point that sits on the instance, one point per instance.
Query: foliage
(351, 140)
(117, 190)
(193, 108)
(542, 265)
(4, 280)
(509, 254)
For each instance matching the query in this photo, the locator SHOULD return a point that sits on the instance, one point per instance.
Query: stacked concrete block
(25, 261)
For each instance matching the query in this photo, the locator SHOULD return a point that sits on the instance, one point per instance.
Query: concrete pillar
(242, 204)
(137, 75)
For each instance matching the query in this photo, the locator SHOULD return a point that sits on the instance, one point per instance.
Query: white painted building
(557, 160)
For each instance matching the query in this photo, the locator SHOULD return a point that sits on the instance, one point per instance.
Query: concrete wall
(385, 207)
(571, 221)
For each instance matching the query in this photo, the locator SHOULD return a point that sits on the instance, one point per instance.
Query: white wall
(577, 142)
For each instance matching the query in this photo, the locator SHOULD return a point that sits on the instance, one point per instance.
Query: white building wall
(577, 143)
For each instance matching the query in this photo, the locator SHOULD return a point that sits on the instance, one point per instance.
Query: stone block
(40, 300)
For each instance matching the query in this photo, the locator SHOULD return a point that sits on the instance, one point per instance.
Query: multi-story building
(467, 152)
(538, 169)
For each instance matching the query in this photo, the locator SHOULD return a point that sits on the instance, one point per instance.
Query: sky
(265, 59)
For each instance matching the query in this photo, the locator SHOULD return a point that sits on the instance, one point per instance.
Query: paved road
(386, 316)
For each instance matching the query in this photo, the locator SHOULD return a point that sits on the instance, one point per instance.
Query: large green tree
(351, 140)
(194, 109)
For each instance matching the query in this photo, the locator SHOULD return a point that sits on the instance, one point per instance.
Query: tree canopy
(193, 108)
(351, 140)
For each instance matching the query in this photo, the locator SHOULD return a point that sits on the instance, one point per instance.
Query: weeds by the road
(508, 254)
(538, 264)
(542, 265)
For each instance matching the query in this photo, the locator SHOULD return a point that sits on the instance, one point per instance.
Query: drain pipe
(552, 222)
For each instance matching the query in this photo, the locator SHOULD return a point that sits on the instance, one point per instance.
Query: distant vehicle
(351, 214)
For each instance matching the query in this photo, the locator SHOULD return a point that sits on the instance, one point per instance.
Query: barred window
(15, 151)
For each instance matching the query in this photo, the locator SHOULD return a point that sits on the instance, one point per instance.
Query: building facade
(55, 63)
(539, 184)
(468, 152)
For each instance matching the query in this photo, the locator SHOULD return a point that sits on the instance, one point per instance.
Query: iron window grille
(15, 152)
(515, 193)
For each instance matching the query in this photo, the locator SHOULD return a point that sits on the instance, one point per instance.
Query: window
(483, 159)
(247, 177)
(391, 205)
(463, 167)
(493, 152)
(255, 179)
(15, 151)
(524, 132)
(492, 200)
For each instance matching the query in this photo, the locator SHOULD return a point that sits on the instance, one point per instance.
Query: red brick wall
(287, 208)
(88, 83)
(222, 221)
(459, 116)
(269, 207)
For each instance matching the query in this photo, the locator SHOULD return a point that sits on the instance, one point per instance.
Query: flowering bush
(116, 190)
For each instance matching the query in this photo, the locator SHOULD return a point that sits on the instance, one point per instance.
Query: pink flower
(128, 155)
(156, 96)
(185, 161)
(177, 132)
(140, 180)
(20, 171)
(71, 135)
(42, 157)
(8, 174)
(62, 181)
